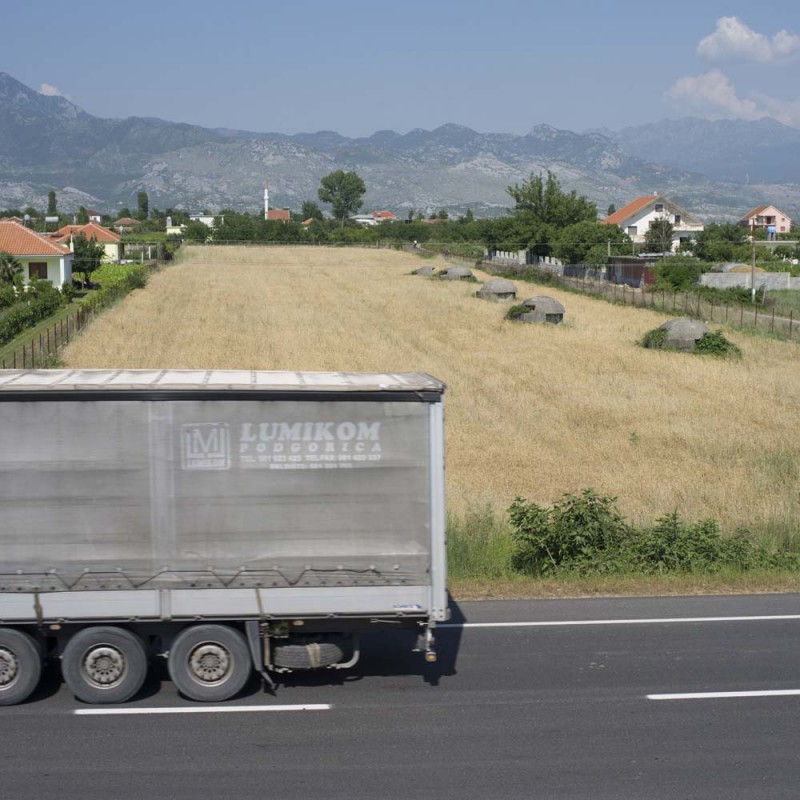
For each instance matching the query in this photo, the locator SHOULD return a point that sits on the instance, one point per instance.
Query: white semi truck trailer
(228, 521)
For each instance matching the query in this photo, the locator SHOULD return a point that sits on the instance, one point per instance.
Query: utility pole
(753, 263)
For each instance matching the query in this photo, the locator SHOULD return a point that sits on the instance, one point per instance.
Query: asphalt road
(561, 708)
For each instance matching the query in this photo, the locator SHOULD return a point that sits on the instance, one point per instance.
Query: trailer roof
(215, 380)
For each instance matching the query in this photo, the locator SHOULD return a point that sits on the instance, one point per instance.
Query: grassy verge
(480, 545)
(520, 587)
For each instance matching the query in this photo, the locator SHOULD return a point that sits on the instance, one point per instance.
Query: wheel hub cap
(210, 662)
(104, 665)
(9, 667)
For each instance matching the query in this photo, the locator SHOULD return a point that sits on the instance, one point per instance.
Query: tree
(197, 231)
(588, 243)
(10, 269)
(310, 210)
(143, 203)
(611, 209)
(545, 202)
(344, 191)
(52, 209)
(87, 255)
(722, 243)
(469, 216)
(678, 273)
(83, 216)
(658, 238)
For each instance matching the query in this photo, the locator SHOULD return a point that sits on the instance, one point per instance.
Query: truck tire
(309, 655)
(104, 664)
(209, 663)
(20, 666)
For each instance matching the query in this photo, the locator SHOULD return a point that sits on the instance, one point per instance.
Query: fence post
(15, 359)
(24, 353)
(772, 326)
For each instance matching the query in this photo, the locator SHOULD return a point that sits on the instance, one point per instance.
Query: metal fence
(40, 350)
(745, 316)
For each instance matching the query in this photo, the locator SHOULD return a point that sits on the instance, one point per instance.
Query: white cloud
(712, 95)
(733, 40)
(50, 90)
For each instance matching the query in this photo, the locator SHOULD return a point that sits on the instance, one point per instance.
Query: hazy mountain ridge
(48, 142)
(763, 151)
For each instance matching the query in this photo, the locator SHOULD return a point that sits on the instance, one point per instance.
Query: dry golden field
(531, 410)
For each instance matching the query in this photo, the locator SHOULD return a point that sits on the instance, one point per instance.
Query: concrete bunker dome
(456, 273)
(542, 308)
(682, 333)
(498, 290)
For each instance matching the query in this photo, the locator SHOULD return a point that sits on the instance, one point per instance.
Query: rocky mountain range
(715, 170)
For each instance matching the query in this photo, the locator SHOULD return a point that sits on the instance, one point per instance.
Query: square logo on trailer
(205, 445)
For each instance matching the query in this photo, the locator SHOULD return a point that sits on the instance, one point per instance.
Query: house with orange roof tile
(384, 216)
(636, 218)
(766, 217)
(279, 215)
(125, 224)
(110, 241)
(41, 257)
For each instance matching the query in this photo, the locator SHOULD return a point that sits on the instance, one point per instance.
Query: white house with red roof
(111, 242)
(40, 256)
(766, 217)
(637, 217)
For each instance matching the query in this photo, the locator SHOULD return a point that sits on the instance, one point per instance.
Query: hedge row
(28, 312)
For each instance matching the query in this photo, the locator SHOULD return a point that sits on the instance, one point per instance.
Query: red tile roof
(21, 241)
(384, 215)
(281, 214)
(127, 221)
(91, 231)
(626, 212)
(760, 210)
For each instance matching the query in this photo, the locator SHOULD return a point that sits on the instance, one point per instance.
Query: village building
(636, 218)
(41, 257)
(110, 241)
(768, 218)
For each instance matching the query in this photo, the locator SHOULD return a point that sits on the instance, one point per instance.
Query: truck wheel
(209, 663)
(20, 666)
(310, 655)
(104, 664)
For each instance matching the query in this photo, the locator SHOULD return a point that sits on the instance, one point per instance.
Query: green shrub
(586, 534)
(715, 344)
(28, 312)
(654, 339)
(577, 533)
(8, 296)
(515, 312)
(68, 292)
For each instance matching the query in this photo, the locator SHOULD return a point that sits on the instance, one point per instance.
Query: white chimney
(266, 200)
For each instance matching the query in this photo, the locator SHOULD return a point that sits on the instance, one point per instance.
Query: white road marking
(199, 709)
(722, 695)
(649, 621)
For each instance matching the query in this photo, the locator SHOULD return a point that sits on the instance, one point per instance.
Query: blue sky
(504, 65)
